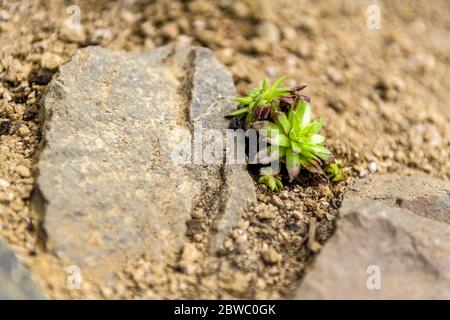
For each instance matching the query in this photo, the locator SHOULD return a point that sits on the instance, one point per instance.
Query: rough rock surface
(421, 194)
(15, 280)
(385, 229)
(107, 187)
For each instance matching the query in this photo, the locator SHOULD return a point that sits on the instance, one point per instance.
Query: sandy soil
(384, 94)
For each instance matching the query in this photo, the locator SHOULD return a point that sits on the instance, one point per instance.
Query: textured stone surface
(410, 248)
(107, 187)
(421, 194)
(15, 280)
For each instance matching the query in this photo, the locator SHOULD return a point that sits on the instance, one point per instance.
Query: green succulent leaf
(293, 163)
(304, 113)
(239, 112)
(282, 121)
(317, 150)
(317, 139)
(296, 147)
(279, 140)
(243, 100)
(314, 127)
(293, 117)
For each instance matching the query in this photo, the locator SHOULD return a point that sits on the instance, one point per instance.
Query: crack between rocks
(187, 87)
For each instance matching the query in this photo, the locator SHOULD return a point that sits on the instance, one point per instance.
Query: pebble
(271, 256)
(7, 97)
(372, 167)
(308, 24)
(334, 75)
(284, 195)
(277, 201)
(238, 283)
(267, 215)
(291, 60)
(23, 131)
(272, 71)
(260, 45)
(4, 184)
(148, 29)
(269, 31)
(23, 171)
(289, 33)
(198, 214)
(51, 60)
(76, 35)
(363, 173)
(297, 214)
(240, 9)
(170, 30)
(6, 197)
(189, 255)
(304, 50)
(226, 55)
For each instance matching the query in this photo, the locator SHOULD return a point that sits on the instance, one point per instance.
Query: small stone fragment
(4, 184)
(23, 171)
(334, 75)
(271, 256)
(267, 215)
(277, 201)
(372, 167)
(170, 30)
(72, 34)
(51, 61)
(297, 214)
(198, 214)
(23, 131)
(268, 31)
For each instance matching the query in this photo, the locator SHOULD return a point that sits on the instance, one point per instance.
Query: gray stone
(377, 232)
(421, 194)
(15, 280)
(107, 188)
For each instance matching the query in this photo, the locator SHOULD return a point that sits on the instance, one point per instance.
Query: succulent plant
(270, 178)
(259, 100)
(335, 172)
(294, 139)
(283, 117)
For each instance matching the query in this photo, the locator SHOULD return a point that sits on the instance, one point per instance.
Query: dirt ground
(384, 94)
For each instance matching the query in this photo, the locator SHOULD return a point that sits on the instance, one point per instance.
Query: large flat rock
(15, 280)
(107, 186)
(386, 234)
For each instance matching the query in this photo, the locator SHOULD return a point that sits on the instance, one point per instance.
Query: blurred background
(377, 71)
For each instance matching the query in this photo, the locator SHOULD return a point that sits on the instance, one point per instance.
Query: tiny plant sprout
(270, 178)
(259, 100)
(335, 172)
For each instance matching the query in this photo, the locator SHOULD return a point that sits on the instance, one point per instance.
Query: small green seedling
(259, 100)
(335, 171)
(270, 178)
